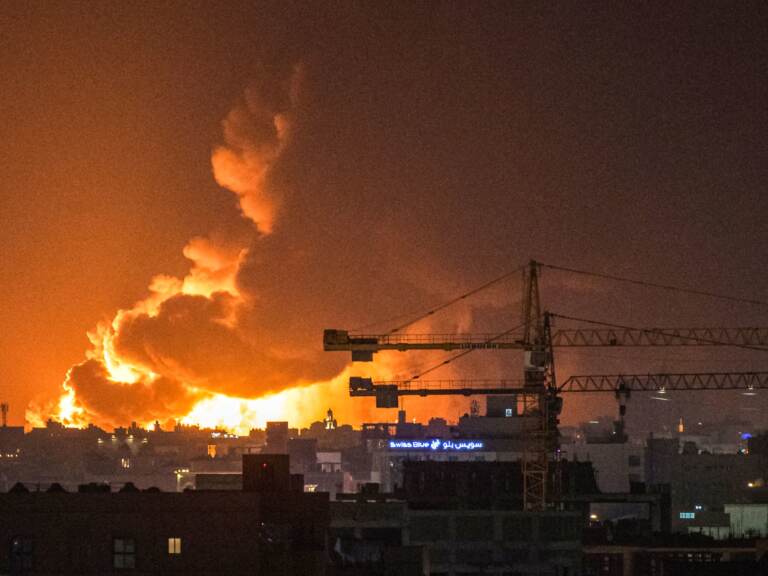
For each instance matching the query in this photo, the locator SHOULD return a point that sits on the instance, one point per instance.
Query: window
(507, 412)
(474, 528)
(123, 553)
(517, 528)
(22, 549)
(429, 528)
(174, 546)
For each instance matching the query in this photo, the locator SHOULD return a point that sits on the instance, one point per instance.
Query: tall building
(267, 528)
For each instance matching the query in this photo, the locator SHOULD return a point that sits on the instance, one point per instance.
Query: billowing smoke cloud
(256, 134)
(186, 343)
(237, 340)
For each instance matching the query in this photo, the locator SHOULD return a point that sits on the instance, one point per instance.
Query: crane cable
(444, 305)
(604, 276)
(458, 298)
(656, 285)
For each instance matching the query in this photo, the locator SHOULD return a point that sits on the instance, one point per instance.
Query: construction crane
(659, 383)
(363, 346)
(538, 392)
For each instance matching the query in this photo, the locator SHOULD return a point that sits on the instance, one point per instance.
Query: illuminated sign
(437, 445)
(687, 515)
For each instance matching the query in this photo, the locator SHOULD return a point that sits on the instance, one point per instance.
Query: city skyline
(277, 173)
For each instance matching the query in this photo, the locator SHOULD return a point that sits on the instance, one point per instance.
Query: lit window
(125, 462)
(124, 553)
(21, 554)
(174, 545)
(508, 412)
(687, 515)
(211, 450)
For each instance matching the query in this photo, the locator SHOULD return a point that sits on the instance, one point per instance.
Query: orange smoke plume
(181, 353)
(236, 341)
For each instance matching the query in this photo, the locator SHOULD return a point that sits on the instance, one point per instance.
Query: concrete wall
(748, 520)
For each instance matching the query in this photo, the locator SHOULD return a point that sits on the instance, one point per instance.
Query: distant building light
(125, 462)
(180, 472)
(746, 436)
(687, 515)
(698, 507)
(593, 517)
(310, 487)
(174, 546)
(507, 412)
(750, 484)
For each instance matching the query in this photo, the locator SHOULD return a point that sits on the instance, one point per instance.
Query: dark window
(22, 554)
(429, 528)
(474, 528)
(559, 529)
(517, 528)
(124, 553)
(439, 555)
(475, 556)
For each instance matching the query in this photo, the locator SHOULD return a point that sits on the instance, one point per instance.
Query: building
(708, 482)
(469, 516)
(693, 558)
(618, 465)
(367, 536)
(277, 438)
(264, 528)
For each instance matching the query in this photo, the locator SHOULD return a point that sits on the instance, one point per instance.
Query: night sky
(430, 147)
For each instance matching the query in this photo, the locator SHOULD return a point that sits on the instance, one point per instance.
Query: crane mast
(539, 387)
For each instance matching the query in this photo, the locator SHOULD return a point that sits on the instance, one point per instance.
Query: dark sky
(433, 146)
